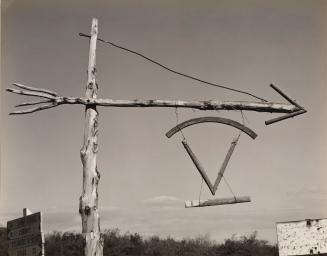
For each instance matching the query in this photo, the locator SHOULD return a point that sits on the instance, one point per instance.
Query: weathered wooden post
(88, 206)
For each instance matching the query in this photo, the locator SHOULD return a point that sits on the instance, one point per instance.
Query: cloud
(163, 201)
(312, 192)
(165, 216)
(312, 200)
(61, 221)
(110, 208)
(6, 216)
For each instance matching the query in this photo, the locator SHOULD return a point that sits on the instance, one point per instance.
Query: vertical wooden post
(88, 207)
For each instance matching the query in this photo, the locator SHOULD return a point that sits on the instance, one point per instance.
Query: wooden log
(271, 107)
(218, 201)
(211, 119)
(281, 118)
(88, 207)
(285, 96)
(199, 167)
(224, 165)
(201, 105)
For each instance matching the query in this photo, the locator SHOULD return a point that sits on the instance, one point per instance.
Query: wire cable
(174, 71)
(236, 141)
(177, 123)
(229, 187)
(200, 192)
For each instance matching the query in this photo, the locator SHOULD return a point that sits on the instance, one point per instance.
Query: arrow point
(291, 115)
(300, 110)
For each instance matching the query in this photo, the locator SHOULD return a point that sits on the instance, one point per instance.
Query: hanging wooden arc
(212, 187)
(211, 119)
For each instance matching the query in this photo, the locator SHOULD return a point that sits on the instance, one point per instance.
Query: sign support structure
(25, 236)
(88, 207)
(88, 204)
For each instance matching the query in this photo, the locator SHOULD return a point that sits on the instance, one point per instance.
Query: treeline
(118, 244)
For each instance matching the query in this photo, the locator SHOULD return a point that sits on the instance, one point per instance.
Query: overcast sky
(146, 177)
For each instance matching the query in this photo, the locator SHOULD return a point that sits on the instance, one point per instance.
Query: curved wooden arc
(211, 119)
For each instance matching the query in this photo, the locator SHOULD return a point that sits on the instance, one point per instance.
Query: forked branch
(50, 102)
(35, 89)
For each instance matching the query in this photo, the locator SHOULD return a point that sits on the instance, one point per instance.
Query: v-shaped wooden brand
(212, 187)
(210, 119)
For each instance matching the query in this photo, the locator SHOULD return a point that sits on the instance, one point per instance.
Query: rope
(184, 139)
(229, 187)
(174, 71)
(236, 141)
(244, 117)
(200, 191)
(177, 123)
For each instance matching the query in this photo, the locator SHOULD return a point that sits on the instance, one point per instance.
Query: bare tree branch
(32, 93)
(33, 103)
(31, 110)
(35, 89)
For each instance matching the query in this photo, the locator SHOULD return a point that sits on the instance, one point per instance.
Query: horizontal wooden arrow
(52, 99)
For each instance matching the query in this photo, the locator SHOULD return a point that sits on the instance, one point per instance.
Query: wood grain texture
(218, 201)
(211, 119)
(212, 188)
(224, 165)
(199, 167)
(270, 107)
(281, 118)
(88, 207)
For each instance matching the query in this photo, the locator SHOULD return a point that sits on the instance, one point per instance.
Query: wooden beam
(271, 107)
(218, 201)
(88, 207)
(281, 118)
(224, 165)
(199, 167)
(285, 96)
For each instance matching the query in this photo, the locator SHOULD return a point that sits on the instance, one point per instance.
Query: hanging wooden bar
(224, 165)
(199, 167)
(281, 118)
(218, 201)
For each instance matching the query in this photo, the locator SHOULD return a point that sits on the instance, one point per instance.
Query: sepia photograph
(163, 128)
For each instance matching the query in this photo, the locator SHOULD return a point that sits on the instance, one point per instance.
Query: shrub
(117, 244)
